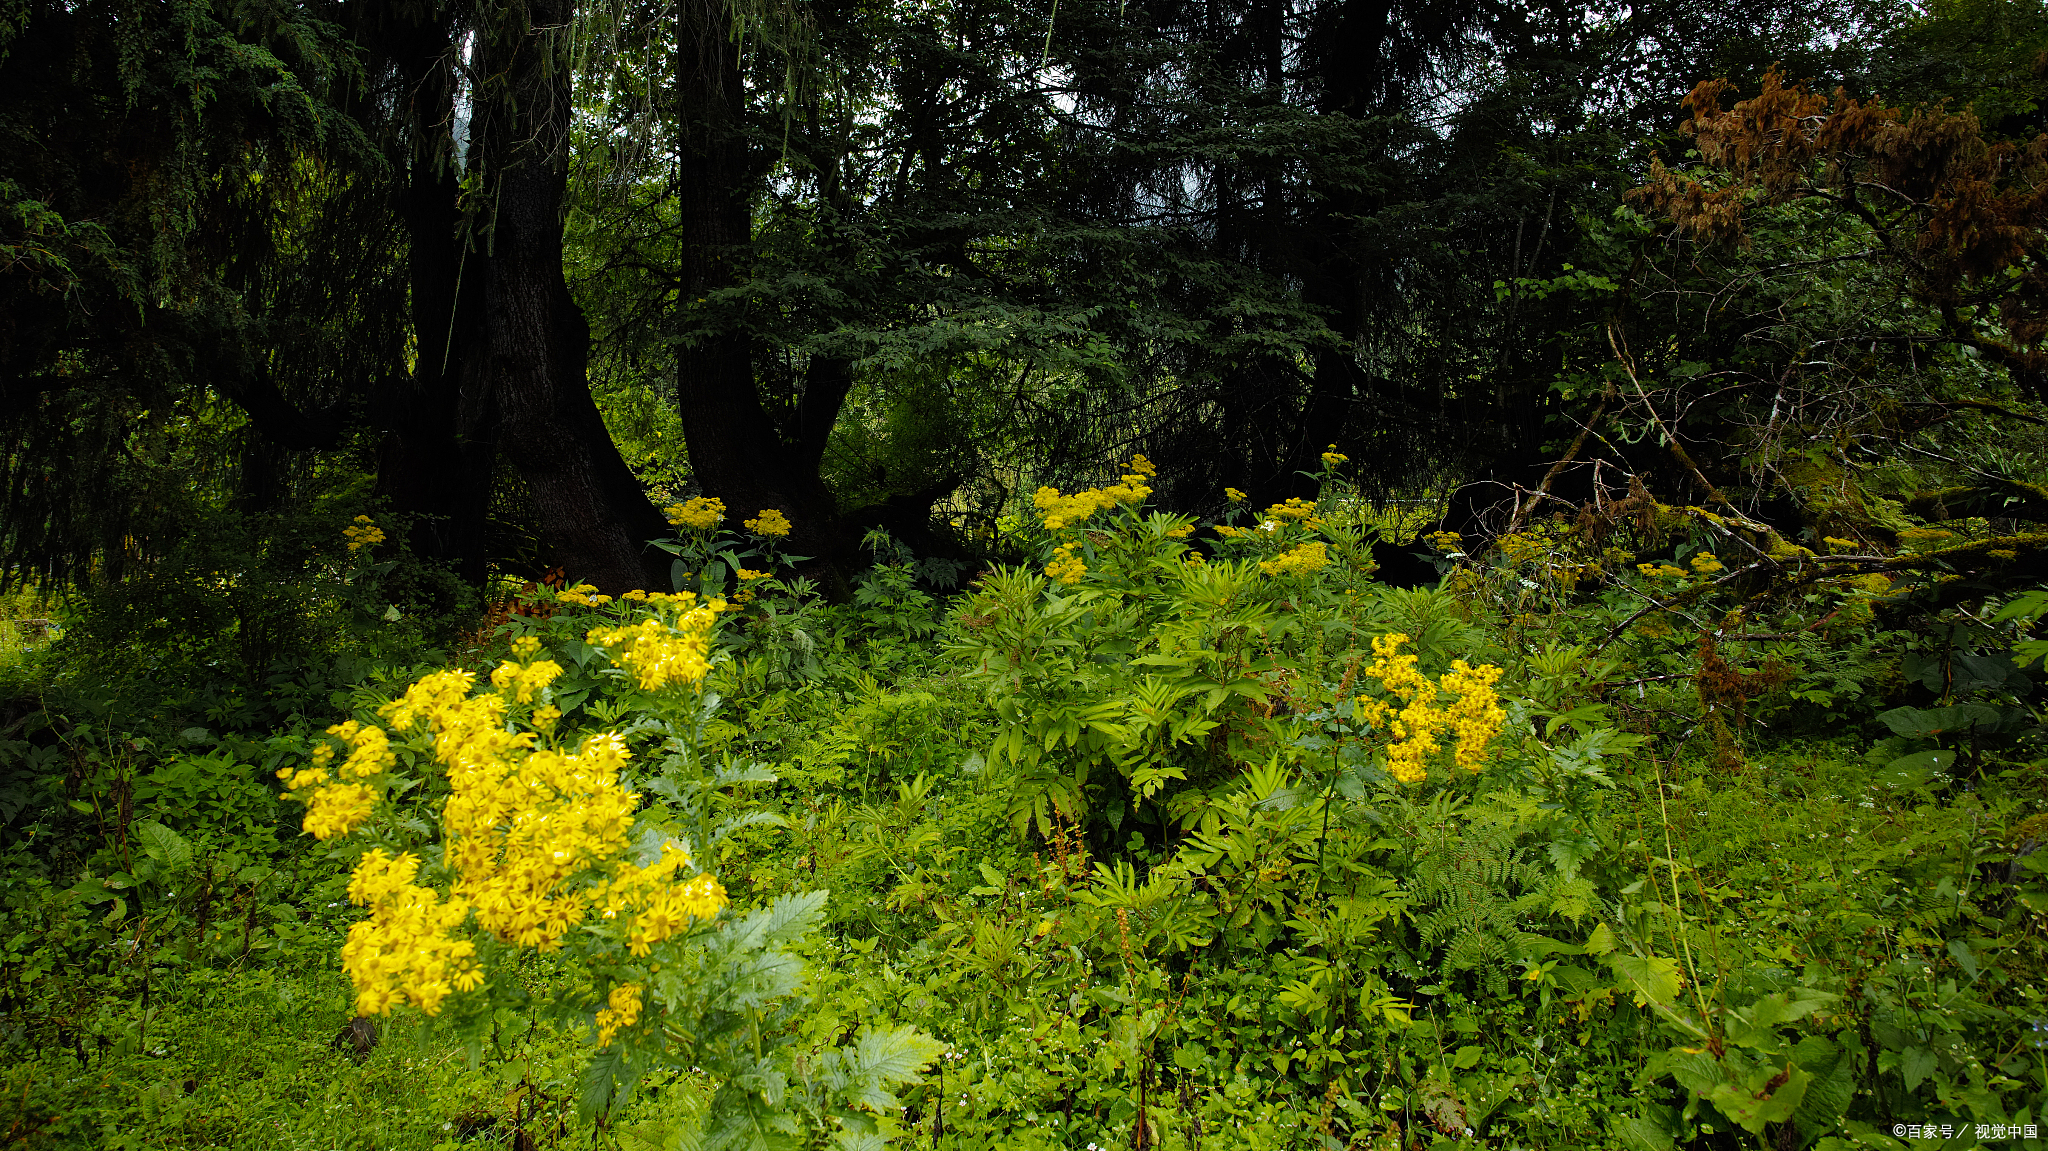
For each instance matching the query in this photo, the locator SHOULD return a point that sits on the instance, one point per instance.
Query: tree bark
(736, 450)
(594, 518)
(439, 454)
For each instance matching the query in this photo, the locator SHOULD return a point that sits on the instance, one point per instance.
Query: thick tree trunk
(439, 452)
(594, 518)
(737, 452)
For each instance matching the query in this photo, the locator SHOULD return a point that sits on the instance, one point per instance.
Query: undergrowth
(1125, 834)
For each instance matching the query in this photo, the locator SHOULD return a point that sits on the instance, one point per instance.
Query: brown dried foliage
(1961, 214)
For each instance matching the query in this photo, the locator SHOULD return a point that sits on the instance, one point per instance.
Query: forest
(1183, 575)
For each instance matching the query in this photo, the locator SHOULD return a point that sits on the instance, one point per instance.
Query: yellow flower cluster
(1294, 509)
(1302, 559)
(1233, 495)
(583, 593)
(520, 820)
(1063, 511)
(1663, 571)
(623, 1012)
(749, 575)
(662, 907)
(338, 809)
(1066, 567)
(1332, 457)
(771, 523)
(334, 808)
(1445, 541)
(404, 953)
(659, 651)
(362, 534)
(1230, 533)
(701, 514)
(534, 836)
(525, 681)
(1707, 563)
(1472, 718)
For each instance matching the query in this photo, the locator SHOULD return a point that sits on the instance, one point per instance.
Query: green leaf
(1915, 1065)
(1654, 980)
(879, 1060)
(1961, 952)
(1916, 723)
(1601, 941)
(162, 844)
(1748, 1104)
(1638, 1134)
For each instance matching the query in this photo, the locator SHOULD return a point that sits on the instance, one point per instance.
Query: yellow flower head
(1302, 559)
(1473, 718)
(1294, 509)
(1143, 467)
(623, 1011)
(1233, 495)
(405, 952)
(1707, 563)
(1445, 541)
(771, 523)
(701, 514)
(1066, 567)
(1332, 457)
(583, 593)
(362, 534)
(658, 650)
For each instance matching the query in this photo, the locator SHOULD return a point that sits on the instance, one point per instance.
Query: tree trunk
(594, 518)
(439, 453)
(736, 450)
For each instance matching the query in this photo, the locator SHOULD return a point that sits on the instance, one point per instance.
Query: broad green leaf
(163, 845)
(1654, 980)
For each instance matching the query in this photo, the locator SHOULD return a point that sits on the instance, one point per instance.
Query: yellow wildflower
(658, 651)
(1707, 563)
(1066, 567)
(526, 681)
(701, 514)
(584, 594)
(770, 523)
(1180, 533)
(1228, 532)
(1332, 457)
(1143, 467)
(338, 809)
(1446, 541)
(362, 534)
(403, 952)
(1233, 495)
(1302, 559)
(748, 575)
(1062, 511)
(1293, 509)
(624, 1011)
(1474, 717)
